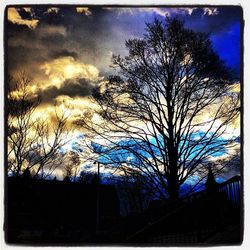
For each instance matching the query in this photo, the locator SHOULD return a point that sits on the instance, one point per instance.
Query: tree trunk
(173, 180)
(173, 187)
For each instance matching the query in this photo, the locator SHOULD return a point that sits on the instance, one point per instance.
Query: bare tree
(20, 108)
(46, 155)
(72, 165)
(169, 107)
(33, 144)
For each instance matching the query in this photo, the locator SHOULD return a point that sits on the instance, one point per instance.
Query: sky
(39, 35)
(67, 51)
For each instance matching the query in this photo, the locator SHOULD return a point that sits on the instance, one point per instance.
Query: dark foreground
(40, 212)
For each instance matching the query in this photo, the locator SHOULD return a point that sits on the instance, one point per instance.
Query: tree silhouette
(86, 177)
(72, 165)
(133, 190)
(33, 144)
(168, 108)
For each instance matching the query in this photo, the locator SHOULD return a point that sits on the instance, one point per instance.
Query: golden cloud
(14, 17)
(83, 10)
(235, 88)
(77, 105)
(61, 69)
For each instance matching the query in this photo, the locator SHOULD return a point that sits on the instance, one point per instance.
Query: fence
(232, 189)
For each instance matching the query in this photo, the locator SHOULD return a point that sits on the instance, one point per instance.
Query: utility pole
(98, 197)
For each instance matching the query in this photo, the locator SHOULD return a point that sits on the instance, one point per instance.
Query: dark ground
(40, 212)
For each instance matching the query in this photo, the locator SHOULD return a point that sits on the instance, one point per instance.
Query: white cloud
(29, 10)
(121, 11)
(164, 11)
(170, 11)
(159, 11)
(210, 11)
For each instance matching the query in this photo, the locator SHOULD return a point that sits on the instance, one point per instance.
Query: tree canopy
(168, 109)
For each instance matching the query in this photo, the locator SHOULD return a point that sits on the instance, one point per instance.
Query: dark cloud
(86, 38)
(63, 53)
(71, 88)
(25, 14)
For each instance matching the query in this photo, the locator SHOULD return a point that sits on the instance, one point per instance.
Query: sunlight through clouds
(58, 70)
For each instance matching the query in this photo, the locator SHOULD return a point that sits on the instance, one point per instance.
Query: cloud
(66, 76)
(120, 11)
(73, 107)
(185, 11)
(63, 53)
(52, 10)
(14, 17)
(169, 11)
(85, 11)
(50, 30)
(64, 68)
(29, 10)
(90, 40)
(235, 88)
(79, 87)
(210, 11)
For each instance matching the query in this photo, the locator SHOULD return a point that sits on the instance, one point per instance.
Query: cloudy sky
(67, 51)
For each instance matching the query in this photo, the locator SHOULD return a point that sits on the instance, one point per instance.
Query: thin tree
(169, 108)
(33, 144)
